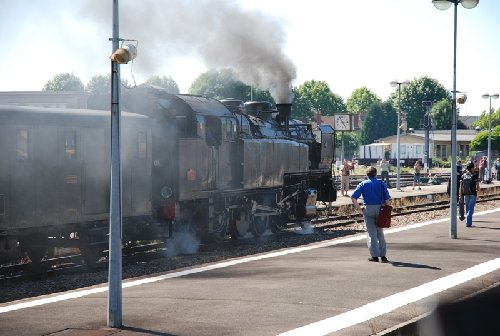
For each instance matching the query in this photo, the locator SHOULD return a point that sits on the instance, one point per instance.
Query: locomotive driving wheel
(277, 224)
(239, 223)
(259, 225)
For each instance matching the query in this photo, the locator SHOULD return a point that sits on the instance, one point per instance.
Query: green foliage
(419, 90)
(441, 115)
(99, 88)
(483, 120)
(441, 163)
(219, 85)
(315, 96)
(99, 84)
(260, 95)
(165, 82)
(480, 142)
(351, 143)
(381, 121)
(64, 82)
(361, 99)
(224, 84)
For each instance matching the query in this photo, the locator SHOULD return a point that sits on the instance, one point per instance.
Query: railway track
(143, 253)
(355, 217)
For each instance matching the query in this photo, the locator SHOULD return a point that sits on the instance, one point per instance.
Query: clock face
(342, 122)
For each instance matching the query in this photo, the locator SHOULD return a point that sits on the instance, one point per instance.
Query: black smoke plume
(221, 32)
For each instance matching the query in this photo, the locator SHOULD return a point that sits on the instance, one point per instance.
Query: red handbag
(384, 216)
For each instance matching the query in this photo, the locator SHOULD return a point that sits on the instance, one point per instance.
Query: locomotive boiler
(224, 167)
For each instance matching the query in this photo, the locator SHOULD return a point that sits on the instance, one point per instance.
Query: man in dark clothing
(460, 200)
(469, 190)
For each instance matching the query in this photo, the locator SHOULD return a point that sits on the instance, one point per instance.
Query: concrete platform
(319, 289)
(409, 195)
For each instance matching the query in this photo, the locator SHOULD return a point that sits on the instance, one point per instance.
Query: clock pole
(342, 147)
(395, 83)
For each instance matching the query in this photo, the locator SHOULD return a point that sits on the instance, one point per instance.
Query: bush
(441, 163)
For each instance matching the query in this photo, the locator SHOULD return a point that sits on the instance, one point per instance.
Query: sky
(348, 44)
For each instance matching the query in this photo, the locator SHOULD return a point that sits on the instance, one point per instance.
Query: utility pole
(427, 126)
(115, 214)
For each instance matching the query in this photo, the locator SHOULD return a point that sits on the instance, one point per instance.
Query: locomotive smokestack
(284, 112)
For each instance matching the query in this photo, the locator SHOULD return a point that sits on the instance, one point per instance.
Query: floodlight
(124, 54)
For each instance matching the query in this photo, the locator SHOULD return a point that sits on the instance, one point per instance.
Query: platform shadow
(141, 331)
(412, 265)
(486, 227)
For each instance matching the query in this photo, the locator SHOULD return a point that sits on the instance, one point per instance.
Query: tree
(480, 142)
(483, 120)
(361, 99)
(441, 114)
(224, 84)
(219, 85)
(164, 82)
(64, 82)
(380, 121)
(99, 88)
(351, 143)
(316, 96)
(99, 84)
(412, 96)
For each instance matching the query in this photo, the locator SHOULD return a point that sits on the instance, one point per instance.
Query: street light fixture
(488, 96)
(442, 5)
(395, 83)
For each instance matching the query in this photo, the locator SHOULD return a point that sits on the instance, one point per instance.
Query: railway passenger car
(55, 179)
(409, 153)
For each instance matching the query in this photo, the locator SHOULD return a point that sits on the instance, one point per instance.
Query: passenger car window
(70, 145)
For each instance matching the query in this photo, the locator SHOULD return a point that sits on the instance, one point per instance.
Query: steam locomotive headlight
(166, 192)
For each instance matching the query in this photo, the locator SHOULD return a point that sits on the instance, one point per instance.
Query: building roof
(468, 120)
(438, 135)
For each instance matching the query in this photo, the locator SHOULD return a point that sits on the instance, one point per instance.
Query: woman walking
(375, 194)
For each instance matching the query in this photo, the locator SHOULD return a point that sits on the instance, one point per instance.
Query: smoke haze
(222, 33)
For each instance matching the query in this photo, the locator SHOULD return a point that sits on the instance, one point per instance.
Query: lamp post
(486, 96)
(443, 5)
(395, 83)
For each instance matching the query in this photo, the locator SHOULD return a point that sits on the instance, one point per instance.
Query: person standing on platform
(384, 172)
(460, 200)
(460, 168)
(469, 188)
(344, 177)
(375, 194)
(482, 167)
(416, 175)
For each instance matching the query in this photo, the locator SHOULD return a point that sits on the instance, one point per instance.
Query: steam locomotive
(218, 168)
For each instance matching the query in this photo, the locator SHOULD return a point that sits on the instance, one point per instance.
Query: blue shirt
(374, 192)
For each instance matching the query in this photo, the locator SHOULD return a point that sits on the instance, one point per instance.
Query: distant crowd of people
(346, 170)
(375, 194)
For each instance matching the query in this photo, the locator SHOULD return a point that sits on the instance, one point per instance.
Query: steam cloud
(219, 31)
(183, 242)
